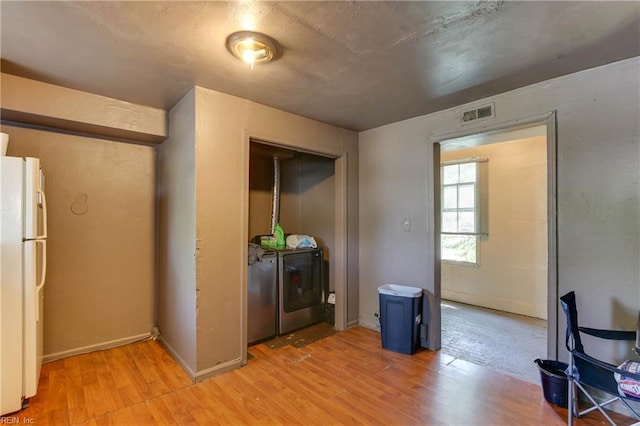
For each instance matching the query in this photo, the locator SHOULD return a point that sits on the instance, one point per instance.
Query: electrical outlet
(406, 224)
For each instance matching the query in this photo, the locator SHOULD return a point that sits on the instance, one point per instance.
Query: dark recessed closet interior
(305, 198)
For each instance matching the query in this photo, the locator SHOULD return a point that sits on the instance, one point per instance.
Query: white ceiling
(353, 64)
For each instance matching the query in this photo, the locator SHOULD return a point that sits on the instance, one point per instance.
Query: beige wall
(512, 271)
(37, 103)
(177, 229)
(316, 189)
(103, 288)
(598, 195)
(260, 195)
(223, 126)
(307, 196)
(101, 248)
(307, 199)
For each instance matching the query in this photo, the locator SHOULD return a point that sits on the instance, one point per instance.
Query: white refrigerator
(23, 264)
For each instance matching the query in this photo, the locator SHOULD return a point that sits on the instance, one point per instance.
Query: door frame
(339, 258)
(550, 120)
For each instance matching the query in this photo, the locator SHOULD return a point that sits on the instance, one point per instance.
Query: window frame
(477, 209)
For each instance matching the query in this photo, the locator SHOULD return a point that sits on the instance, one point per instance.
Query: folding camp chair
(585, 370)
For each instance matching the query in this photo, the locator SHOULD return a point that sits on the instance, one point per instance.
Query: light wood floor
(346, 378)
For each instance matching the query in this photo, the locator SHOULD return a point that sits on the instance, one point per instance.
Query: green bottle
(279, 234)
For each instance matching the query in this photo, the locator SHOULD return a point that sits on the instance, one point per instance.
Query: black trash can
(555, 385)
(400, 317)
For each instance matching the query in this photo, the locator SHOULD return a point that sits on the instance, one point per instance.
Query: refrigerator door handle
(43, 276)
(44, 214)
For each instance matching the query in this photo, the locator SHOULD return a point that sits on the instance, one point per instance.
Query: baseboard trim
(179, 360)
(353, 323)
(97, 347)
(370, 325)
(201, 374)
(218, 369)
(490, 302)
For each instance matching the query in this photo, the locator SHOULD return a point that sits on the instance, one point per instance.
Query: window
(461, 216)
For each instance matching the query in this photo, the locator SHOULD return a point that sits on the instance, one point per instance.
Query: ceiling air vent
(480, 113)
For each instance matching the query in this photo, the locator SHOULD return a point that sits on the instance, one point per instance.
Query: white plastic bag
(295, 241)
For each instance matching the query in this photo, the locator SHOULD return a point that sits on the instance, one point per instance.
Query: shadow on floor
(302, 337)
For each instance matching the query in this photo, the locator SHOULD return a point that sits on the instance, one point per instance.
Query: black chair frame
(585, 370)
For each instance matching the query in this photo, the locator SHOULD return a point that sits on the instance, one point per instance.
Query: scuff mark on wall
(80, 205)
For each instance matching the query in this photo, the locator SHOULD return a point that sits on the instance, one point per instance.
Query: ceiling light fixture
(252, 47)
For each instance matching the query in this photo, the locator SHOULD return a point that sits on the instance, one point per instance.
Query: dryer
(301, 290)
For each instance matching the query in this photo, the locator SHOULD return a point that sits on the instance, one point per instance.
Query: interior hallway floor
(505, 342)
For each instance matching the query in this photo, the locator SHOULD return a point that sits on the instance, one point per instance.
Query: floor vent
(480, 113)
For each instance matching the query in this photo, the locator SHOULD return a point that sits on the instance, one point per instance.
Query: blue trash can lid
(400, 290)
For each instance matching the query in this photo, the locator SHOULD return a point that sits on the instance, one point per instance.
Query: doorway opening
(495, 246)
(289, 289)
